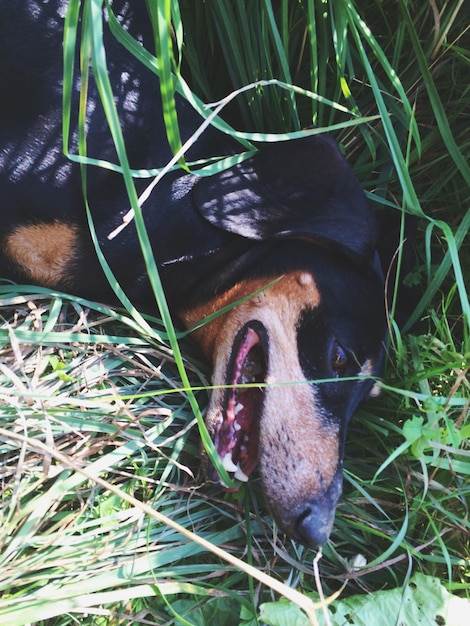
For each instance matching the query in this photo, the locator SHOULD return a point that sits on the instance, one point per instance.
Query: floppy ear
(299, 189)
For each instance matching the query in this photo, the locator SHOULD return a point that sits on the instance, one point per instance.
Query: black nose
(313, 526)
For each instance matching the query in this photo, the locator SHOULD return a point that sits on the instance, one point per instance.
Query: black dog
(294, 211)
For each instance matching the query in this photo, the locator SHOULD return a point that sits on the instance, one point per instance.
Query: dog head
(301, 347)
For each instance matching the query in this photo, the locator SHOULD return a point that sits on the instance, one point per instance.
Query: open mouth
(237, 436)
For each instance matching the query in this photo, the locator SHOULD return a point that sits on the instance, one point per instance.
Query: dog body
(288, 233)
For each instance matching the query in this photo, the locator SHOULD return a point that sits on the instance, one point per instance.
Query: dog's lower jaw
(309, 518)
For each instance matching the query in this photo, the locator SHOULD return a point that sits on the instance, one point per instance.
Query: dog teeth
(230, 466)
(238, 408)
(240, 475)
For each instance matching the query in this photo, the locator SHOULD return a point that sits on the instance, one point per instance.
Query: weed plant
(99, 408)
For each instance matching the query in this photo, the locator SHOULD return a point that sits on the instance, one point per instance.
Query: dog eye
(339, 359)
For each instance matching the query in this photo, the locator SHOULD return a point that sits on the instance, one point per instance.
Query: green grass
(88, 394)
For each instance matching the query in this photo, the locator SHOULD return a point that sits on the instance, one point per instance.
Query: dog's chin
(236, 428)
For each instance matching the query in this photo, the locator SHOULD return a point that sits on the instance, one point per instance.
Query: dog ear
(299, 189)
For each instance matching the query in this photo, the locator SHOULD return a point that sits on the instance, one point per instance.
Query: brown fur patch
(297, 287)
(43, 251)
